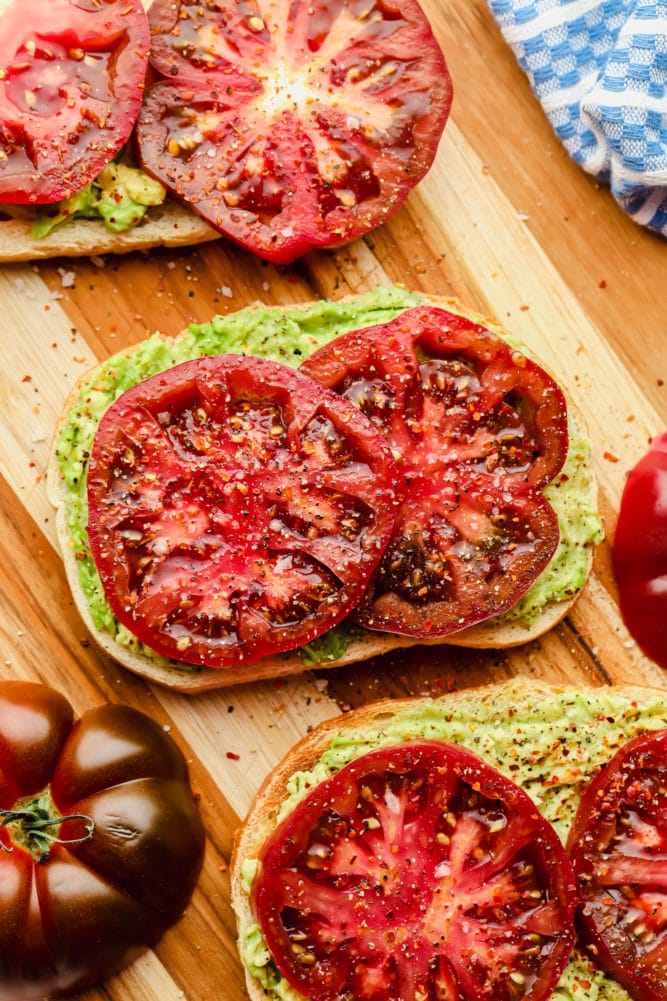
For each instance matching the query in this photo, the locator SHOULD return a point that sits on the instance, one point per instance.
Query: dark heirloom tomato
(477, 430)
(289, 125)
(618, 844)
(416, 871)
(640, 552)
(70, 88)
(101, 840)
(236, 509)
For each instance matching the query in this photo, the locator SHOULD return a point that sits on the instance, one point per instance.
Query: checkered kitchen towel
(599, 69)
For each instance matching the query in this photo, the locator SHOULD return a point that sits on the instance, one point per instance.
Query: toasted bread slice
(362, 645)
(167, 225)
(523, 727)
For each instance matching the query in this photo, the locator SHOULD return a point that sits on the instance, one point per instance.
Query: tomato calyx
(30, 823)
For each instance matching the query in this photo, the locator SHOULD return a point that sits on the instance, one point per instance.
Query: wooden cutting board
(504, 221)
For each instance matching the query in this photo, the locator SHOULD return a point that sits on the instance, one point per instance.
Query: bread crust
(262, 815)
(192, 679)
(166, 225)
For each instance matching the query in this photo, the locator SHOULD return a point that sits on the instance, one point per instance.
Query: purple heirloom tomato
(101, 840)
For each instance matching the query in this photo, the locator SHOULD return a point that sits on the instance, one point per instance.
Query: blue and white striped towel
(599, 70)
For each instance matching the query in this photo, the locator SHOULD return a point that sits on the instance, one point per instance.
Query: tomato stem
(30, 822)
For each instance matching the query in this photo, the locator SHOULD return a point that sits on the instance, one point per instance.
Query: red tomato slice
(236, 509)
(640, 552)
(416, 871)
(618, 844)
(462, 551)
(292, 125)
(70, 89)
(477, 429)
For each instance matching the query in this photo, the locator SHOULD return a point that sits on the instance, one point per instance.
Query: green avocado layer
(548, 743)
(289, 336)
(119, 197)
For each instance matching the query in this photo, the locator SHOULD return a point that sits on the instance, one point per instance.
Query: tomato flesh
(236, 509)
(70, 89)
(90, 907)
(289, 125)
(477, 430)
(618, 845)
(416, 871)
(640, 552)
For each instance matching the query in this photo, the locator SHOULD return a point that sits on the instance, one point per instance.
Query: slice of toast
(362, 645)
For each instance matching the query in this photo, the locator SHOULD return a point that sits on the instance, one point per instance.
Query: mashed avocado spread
(119, 196)
(288, 336)
(546, 740)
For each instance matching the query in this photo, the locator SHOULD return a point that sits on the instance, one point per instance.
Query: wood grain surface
(506, 222)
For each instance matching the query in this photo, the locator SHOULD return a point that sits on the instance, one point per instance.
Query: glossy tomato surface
(640, 552)
(236, 509)
(618, 845)
(70, 88)
(291, 125)
(123, 869)
(477, 430)
(416, 871)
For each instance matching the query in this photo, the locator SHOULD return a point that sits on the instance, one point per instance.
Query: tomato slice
(70, 89)
(618, 844)
(462, 550)
(640, 551)
(416, 871)
(236, 509)
(291, 125)
(477, 430)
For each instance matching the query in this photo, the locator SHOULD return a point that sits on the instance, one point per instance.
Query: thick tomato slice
(70, 89)
(464, 549)
(417, 871)
(477, 430)
(236, 509)
(291, 125)
(618, 845)
(640, 551)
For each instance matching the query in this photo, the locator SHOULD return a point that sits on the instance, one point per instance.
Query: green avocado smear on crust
(289, 336)
(548, 741)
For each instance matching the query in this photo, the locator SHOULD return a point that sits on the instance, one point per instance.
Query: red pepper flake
(26, 378)
(233, 756)
(610, 457)
(281, 708)
(524, 309)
